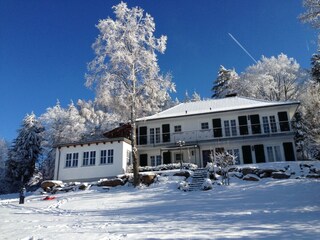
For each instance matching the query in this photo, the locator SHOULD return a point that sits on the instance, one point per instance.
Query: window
(179, 157)
(204, 125)
(274, 153)
(68, 160)
(151, 135)
(158, 160)
(273, 124)
(85, 161)
(92, 157)
(75, 160)
(217, 129)
(228, 131)
(143, 138)
(157, 135)
(103, 157)
(110, 156)
(233, 127)
(177, 128)
(153, 162)
(283, 121)
(266, 127)
(226, 128)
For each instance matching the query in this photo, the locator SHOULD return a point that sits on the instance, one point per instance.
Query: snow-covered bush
(184, 186)
(207, 184)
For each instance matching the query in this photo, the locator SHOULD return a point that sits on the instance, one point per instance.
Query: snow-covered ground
(267, 209)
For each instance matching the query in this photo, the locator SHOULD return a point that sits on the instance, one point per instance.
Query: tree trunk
(135, 160)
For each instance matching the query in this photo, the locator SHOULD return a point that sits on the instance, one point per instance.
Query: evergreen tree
(221, 86)
(24, 152)
(315, 67)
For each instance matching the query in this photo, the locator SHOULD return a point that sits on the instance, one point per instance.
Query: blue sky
(45, 45)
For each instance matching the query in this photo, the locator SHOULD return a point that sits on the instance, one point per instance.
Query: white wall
(96, 171)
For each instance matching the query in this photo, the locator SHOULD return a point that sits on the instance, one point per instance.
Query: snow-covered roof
(213, 106)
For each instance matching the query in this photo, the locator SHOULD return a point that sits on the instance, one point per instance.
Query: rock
(248, 170)
(313, 176)
(49, 184)
(147, 179)
(111, 182)
(185, 174)
(280, 175)
(266, 173)
(236, 174)
(84, 186)
(251, 177)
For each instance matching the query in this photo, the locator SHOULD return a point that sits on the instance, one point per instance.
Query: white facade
(92, 160)
(253, 130)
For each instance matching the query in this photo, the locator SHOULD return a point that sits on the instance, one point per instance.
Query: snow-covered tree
(61, 125)
(310, 105)
(275, 78)
(125, 71)
(315, 67)
(222, 84)
(312, 14)
(3, 156)
(24, 152)
(97, 121)
(195, 97)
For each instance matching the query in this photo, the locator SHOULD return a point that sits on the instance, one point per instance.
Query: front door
(205, 157)
(143, 160)
(166, 157)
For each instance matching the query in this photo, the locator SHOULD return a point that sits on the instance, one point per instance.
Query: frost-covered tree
(275, 78)
(195, 97)
(312, 14)
(3, 156)
(310, 105)
(61, 125)
(301, 138)
(125, 70)
(315, 67)
(24, 152)
(222, 84)
(97, 121)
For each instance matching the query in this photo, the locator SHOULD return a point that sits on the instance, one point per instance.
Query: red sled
(49, 198)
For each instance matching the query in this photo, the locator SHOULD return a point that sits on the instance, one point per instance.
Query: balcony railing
(219, 133)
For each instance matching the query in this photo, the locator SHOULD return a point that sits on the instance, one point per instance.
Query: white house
(92, 160)
(253, 130)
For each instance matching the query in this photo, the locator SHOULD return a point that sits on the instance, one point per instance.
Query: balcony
(217, 134)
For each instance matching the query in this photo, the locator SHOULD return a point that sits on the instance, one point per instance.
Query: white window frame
(68, 160)
(85, 159)
(103, 157)
(110, 156)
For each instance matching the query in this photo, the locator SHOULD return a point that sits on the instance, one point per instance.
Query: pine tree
(24, 152)
(221, 86)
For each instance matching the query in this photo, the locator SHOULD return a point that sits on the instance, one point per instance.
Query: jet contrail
(239, 44)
